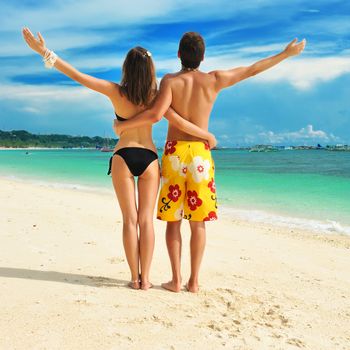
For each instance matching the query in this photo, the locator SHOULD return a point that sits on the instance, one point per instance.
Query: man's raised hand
(294, 48)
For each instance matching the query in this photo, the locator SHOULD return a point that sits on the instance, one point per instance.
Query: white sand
(63, 282)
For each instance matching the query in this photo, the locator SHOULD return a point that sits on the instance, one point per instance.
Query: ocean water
(308, 188)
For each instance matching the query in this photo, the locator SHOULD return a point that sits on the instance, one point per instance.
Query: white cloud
(335, 24)
(47, 99)
(261, 48)
(311, 10)
(73, 24)
(43, 92)
(30, 109)
(304, 135)
(304, 73)
(15, 45)
(66, 29)
(301, 72)
(81, 13)
(88, 13)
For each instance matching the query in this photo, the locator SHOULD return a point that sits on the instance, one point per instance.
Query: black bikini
(136, 158)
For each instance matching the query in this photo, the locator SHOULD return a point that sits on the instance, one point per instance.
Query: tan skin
(192, 94)
(139, 251)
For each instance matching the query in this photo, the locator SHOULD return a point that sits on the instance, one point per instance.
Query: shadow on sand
(93, 281)
(63, 277)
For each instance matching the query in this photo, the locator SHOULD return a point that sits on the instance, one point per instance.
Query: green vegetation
(22, 138)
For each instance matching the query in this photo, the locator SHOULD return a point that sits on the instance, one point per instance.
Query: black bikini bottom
(136, 158)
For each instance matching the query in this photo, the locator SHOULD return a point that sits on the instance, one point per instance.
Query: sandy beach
(63, 279)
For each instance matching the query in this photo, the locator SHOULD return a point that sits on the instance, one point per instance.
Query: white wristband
(49, 58)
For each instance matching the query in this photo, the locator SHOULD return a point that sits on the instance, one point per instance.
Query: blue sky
(302, 101)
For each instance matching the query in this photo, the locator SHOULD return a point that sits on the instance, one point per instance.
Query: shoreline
(63, 279)
(45, 148)
(227, 212)
(332, 148)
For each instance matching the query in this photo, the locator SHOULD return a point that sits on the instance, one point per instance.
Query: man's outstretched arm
(151, 115)
(226, 78)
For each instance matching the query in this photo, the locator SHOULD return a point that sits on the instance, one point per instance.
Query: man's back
(193, 97)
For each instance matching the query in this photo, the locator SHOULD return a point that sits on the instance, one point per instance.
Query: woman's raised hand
(212, 141)
(37, 45)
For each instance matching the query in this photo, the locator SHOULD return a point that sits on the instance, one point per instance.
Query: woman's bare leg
(147, 185)
(124, 186)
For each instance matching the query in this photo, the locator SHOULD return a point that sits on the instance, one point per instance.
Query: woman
(135, 153)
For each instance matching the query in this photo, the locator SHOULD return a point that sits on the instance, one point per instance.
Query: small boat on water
(263, 148)
(106, 147)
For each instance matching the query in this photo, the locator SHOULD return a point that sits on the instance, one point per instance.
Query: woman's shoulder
(119, 94)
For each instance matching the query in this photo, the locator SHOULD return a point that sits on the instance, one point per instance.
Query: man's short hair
(191, 49)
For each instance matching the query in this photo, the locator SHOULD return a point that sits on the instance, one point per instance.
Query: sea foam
(259, 216)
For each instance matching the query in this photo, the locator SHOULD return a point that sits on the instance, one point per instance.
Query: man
(188, 185)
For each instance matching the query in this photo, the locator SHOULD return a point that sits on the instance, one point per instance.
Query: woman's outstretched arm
(100, 85)
(182, 124)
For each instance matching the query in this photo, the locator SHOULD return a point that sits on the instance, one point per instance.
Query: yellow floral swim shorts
(187, 182)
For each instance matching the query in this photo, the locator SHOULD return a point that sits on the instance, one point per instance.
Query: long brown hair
(139, 82)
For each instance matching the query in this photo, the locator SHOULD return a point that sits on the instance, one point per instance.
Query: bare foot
(146, 285)
(172, 286)
(192, 287)
(134, 284)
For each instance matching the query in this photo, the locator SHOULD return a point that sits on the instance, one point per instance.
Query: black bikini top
(121, 119)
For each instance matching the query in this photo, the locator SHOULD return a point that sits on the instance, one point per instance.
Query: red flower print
(206, 145)
(193, 200)
(200, 168)
(212, 186)
(170, 147)
(184, 170)
(211, 216)
(158, 217)
(174, 193)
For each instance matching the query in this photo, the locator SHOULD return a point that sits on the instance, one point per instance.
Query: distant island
(272, 148)
(24, 139)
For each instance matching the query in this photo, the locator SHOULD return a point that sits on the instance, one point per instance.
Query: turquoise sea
(305, 188)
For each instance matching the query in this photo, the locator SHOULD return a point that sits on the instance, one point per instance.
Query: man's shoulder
(214, 73)
(167, 78)
(171, 79)
(170, 75)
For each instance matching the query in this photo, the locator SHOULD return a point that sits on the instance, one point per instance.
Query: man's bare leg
(174, 243)
(197, 245)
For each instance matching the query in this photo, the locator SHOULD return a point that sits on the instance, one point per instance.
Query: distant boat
(106, 147)
(263, 148)
(338, 147)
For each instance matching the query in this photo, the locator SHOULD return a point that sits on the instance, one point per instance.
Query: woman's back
(137, 137)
